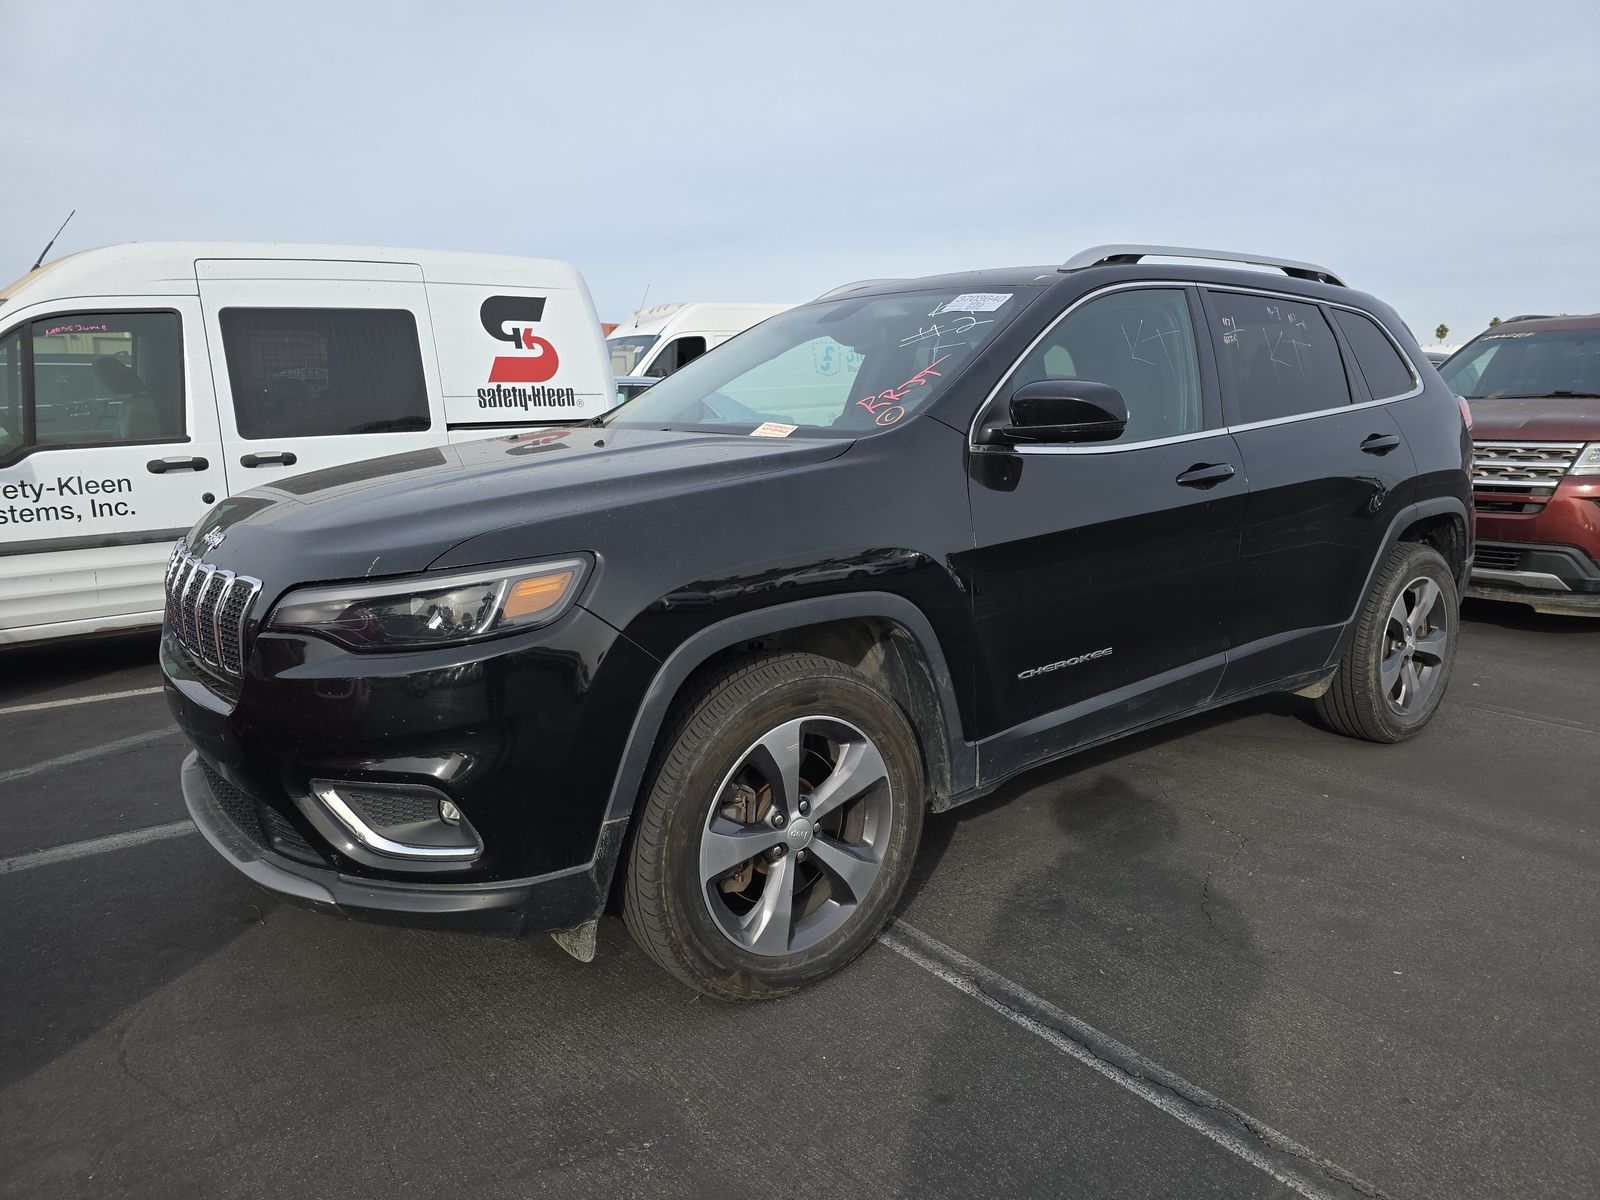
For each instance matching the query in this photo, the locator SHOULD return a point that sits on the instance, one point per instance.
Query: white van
(656, 341)
(139, 384)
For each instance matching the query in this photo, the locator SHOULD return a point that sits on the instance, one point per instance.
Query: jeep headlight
(1588, 461)
(434, 610)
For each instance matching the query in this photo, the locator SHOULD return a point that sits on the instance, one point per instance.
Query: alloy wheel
(1414, 640)
(795, 837)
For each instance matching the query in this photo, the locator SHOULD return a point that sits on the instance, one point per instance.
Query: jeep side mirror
(1064, 410)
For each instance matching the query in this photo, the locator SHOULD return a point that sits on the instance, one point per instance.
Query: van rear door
(318, 363)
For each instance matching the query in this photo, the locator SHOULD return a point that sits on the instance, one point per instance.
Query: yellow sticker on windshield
(773, 429)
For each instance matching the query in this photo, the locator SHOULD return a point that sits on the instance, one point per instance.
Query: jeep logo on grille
(213, 539)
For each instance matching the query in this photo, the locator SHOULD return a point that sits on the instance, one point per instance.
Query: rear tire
(779, 828)
(1394, 672)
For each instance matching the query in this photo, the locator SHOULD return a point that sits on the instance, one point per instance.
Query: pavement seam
(1236, 1131)
(101, 845)
(73, 700)
(77, 756)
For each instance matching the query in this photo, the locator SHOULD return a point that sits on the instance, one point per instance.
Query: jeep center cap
(799, 833)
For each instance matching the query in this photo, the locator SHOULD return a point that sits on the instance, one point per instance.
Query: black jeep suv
(713, 654)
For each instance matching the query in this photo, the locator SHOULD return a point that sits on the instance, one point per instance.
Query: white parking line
(22, 708)
(72, 850)
(1236, 1132)
(88, 752)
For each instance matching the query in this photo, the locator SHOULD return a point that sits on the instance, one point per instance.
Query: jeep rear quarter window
(323, 372)
(1278, 357)
(1386, 373)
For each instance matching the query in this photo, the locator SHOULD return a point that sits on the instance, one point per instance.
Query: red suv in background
(1534, 387)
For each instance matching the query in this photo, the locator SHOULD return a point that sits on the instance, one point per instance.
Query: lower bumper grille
(263, 826)
(1497, 558)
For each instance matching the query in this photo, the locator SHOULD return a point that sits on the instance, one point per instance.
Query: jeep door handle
(1204, 475)
(1380, 443)
(160, 466)
(284, 458)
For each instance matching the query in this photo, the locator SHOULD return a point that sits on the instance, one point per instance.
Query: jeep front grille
(1521, 468)
(208, 609)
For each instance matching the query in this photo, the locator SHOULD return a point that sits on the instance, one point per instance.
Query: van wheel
(1394, 672)
(779, 828)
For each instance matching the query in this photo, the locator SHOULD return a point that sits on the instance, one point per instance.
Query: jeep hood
(539, 489)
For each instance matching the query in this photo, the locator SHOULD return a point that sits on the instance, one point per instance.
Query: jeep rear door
(1327, 467)
(1102, 572)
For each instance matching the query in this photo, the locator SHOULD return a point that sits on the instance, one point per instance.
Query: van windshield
(628, 352)
(1535, 364)
(846, 366)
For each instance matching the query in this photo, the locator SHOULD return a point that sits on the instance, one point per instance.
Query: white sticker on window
(773, 429)
(973, 302)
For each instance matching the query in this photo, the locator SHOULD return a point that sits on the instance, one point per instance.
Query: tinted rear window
(321, 372)
(1381, 366)
(1278, 357)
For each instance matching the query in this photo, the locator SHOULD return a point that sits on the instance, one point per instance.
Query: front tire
(779, 828)
(1394, 671)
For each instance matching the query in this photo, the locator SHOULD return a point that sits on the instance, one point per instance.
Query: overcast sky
(1443, 156)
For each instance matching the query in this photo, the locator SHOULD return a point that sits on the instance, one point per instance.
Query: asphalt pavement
(1239, 956)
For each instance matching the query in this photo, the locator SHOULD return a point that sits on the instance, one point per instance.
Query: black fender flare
(1408, 516)
(744, 627)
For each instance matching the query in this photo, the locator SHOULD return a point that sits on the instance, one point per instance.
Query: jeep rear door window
(1278, 357)
(847, 366)
(103, 378)
(1531, 365)
(321, 372)
(1139, 342)
(1386, 373)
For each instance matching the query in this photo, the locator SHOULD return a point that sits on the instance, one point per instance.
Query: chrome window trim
(1164, 285)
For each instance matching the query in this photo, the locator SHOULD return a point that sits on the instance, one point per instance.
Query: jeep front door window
(1141, 343)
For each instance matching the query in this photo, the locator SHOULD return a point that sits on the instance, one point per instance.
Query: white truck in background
(656, 341)
(140, 384)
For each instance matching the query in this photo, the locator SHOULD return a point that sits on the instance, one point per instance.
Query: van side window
(1140, 342)
(11, 435)
(677, 354)
(1386, 373)
(1278, 357)
(102, 378)
(323, 372)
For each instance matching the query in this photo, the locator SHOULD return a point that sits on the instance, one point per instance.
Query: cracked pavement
(1388, 957)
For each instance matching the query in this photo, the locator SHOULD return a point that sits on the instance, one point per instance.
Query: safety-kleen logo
(509, 319)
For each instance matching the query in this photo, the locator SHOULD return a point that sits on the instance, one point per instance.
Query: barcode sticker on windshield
(973, 302)
(773, 429)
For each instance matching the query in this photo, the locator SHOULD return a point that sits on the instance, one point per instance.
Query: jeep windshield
(1534, 365)
(841, 367)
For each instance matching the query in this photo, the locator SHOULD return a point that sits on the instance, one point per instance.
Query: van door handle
(1204, 475)
(284, 458)
(160, 466)
(1380, 443)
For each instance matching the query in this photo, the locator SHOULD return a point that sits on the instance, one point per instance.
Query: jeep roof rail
(843, 288)
(1096, 256)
